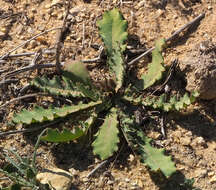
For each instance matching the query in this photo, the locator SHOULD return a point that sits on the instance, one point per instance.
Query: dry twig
(45, 51)
(7, 81)
(19, 98)
(25, 42)
(30, 129)
(28, 68)
(30, 96)
(96, 168)
(98, 58)
(61, 38)
(197, 19)
(169, 75)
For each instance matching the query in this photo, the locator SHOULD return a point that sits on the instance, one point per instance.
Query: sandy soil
(190, 138)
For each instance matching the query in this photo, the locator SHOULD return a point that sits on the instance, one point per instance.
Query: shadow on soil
(199, 122)
(175, 182)
(185, 7)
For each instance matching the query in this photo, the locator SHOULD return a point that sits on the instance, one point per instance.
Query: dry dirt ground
(191, 134)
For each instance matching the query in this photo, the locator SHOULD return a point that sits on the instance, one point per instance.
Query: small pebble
(109, 182)
(73, 171)
(34, 10)
(200, 141)
(210, 174)
(131, 158)
(3, 29)
(127, 180)
(175, 16)
(209, 7)
(32, 44)
(85, 179)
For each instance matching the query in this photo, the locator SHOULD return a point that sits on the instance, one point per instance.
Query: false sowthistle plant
(75, 82)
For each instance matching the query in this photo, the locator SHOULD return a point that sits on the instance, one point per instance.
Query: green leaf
(53, 135)
(89, 122)
(156, 68)
(194, 95)
(113, 30)
(57, 86)
(107, 138)
(172, 104)
(39, 114)
(78, 74)
(116, 63)
(151, 156)
(156, 159)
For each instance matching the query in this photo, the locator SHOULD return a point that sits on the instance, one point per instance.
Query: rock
(56, 178)
(200, 69)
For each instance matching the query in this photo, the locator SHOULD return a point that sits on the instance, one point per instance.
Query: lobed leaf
(156, 68)
(156, 159)
(54, 135)
(56, 86)
(39, 114)
(113, 30)
(77, 72)
(79, 75)
(116, 63)
(150, 155)
(75, 82)
(107, 138)
(172, 104)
